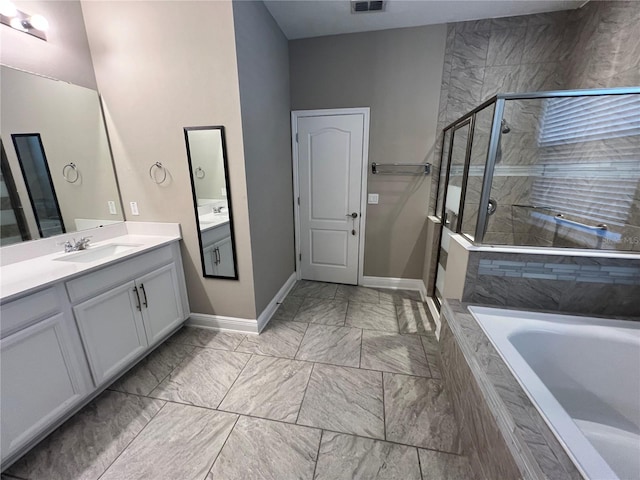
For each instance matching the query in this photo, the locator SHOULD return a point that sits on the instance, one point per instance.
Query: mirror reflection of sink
(213, 218)
(93, 254)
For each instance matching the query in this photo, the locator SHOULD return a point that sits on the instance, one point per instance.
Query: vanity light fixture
(35, 25)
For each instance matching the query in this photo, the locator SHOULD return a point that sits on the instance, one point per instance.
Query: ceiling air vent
(372, 6)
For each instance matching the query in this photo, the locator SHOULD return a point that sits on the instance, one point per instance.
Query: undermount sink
(93, 254)
(209, 218)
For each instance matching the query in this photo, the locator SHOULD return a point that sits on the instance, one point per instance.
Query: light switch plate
(112, 207)
(134, 208)
(373, 199)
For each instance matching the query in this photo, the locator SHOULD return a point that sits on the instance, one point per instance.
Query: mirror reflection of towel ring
(199, 172)
(74, 168)
(164, 171)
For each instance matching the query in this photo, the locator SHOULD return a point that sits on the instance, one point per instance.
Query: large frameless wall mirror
(57, 171)
(207, 155)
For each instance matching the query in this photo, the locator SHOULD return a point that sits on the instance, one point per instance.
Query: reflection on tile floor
(343, 383)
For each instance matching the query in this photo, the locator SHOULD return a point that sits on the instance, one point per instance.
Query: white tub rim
(551, 411)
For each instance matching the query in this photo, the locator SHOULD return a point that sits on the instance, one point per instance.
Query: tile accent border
(415, 284)
(502, 432)
(612, 275)
(244, 325)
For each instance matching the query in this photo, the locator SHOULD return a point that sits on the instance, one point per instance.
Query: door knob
(352, 215)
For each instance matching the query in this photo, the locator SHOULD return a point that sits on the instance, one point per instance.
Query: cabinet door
(112, 331)
(225, 256)
(37, 379)
(210, 264)
(161, 303)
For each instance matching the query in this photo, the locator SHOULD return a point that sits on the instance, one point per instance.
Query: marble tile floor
(344, 383)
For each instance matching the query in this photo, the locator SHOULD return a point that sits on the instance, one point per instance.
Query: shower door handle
(492, 207)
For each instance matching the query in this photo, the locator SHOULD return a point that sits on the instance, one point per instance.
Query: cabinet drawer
(108, 278)
(27, 310)
(213, 235)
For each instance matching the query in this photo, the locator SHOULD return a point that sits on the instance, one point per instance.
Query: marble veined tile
(86, 444)
(418, 412)
(470, 48)
(208, 338)
(288, 308)
(344, 399)
(148, 374)
(390, 352)
(345, 457)
(444, 466)
(181, 442)
(203, 379)
(280, 339)
(372, 316)
(326, 312)
(388, 295)
(269, 387)
(331, 344)
(354, 293)
(432, 350)
(307, 288)
(264, 449)
(505, 46)
(413, 318)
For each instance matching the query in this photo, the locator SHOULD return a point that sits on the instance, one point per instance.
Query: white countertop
(25, 276)
(212, 220)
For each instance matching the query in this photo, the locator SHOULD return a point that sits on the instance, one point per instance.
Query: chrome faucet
(81, 244)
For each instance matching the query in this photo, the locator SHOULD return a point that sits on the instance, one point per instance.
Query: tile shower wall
(595, 46)
(586, 285)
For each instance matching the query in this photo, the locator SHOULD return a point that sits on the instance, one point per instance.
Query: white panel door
(330, 156)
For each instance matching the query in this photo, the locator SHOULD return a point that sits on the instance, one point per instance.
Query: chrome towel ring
(74, 168)
(153, 177)
(199, 172)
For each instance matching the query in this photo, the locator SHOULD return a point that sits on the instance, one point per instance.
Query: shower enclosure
(543, 169)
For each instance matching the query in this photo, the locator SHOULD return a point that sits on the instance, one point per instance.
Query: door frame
(295, 115)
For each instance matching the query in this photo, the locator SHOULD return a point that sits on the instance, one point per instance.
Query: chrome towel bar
(425, 168)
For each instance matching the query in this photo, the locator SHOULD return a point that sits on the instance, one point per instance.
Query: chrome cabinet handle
(135, 290)
(217, 253)
(144, 293)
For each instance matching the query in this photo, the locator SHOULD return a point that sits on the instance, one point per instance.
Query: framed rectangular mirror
(57, 171)
(207, 156)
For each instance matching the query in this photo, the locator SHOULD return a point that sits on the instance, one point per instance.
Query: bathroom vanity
(74, 322)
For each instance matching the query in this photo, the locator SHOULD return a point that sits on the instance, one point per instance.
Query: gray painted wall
(397, 74)
(263, 72)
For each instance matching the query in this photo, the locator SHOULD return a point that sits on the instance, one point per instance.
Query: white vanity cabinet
(62, 345)
(132, 311)
(218, 251)
(42, 369)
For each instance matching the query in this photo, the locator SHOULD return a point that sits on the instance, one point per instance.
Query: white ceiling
(315, 18)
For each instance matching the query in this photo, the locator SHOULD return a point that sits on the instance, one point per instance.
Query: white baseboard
(415, 284)
(244, 325)
(220, 322)
(270, 309)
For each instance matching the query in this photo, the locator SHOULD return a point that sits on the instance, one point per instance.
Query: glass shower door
(449, 210)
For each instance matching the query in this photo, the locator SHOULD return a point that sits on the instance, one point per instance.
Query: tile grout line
(315, 467)
(419, 464)
(307, 426)
(133, 439)
(234, 381)
(190, 354)
(301, 340)
(306, 387)
(361, 340)
(426, 358)
(384, 411)
(223, 445)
